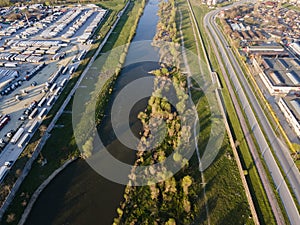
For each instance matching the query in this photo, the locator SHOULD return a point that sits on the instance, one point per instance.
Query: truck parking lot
(36, 62)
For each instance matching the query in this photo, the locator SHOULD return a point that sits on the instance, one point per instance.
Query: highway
(246, 96)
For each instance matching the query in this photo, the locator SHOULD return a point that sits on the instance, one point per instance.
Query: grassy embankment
(61, 145)
(259, 197)
(168, 202)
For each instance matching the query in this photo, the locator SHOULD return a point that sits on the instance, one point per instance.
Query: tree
(186, 204)
(11, 218)
(4, 3)
(171, 221)
(177, 157)
(87, 148)
(186, 182)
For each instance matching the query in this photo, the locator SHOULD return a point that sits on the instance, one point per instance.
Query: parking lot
(44, 62)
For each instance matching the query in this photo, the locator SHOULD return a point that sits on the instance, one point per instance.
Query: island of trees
(177, 199)
(172, 201)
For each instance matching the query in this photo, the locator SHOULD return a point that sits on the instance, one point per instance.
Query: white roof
(295, 47)
(296, 106)
(235, 26)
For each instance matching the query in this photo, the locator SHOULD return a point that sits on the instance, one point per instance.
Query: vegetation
(26, 154)
(166, 35)
(180, 199)
(108, 76)
(4, 3)
(171, 197)
(61, 146)
(257, 191)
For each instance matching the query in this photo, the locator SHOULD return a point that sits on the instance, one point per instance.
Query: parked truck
(33, 127)
(3, 172)
(4, 120)
(72, 70)
(42, 102)
(42, 113)
(17, 135)
(53, 87)
(51, 101)
(24, 141)
(64, 81)
(57, 91)
(33, 113)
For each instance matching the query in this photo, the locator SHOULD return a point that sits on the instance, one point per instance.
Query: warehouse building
(265, 49)
(291, 111)
(280, 76)
(295, 47)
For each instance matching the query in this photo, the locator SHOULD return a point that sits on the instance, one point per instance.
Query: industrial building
(295, 47)
(291, 111)
(279, 75)
(271, 50)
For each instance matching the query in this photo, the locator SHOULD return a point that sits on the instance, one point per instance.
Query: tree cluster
(167, 199)
(4, 3)
(166, 35)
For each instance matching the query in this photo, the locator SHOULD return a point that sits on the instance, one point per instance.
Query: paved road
(281, 151)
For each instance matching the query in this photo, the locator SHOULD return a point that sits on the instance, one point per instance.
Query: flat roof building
(291, 111)
(265, 48)
(295, 48)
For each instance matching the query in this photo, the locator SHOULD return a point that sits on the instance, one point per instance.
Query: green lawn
(258, 194)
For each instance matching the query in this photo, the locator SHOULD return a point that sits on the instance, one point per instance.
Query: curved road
(246, 96)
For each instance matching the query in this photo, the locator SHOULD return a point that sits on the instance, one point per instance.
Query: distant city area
(40, 48)
(267, 36)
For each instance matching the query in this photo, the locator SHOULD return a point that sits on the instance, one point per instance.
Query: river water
(78, 195)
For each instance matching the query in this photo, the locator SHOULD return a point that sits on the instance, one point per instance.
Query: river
(78, 195)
